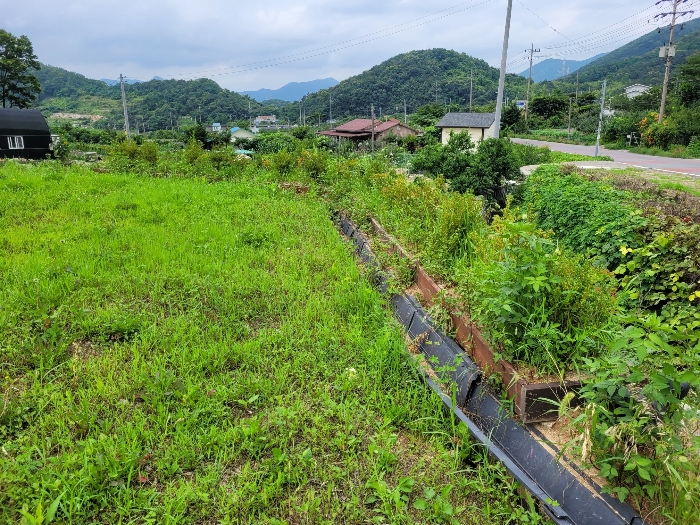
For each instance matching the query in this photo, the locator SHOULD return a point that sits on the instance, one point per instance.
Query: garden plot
(175, 351)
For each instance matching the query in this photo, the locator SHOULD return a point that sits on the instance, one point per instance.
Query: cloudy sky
(267, 43)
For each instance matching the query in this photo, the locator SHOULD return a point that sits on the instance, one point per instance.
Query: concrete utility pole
(577, 88)
(436, 92)
(126, 115)
(372, 128)
(668, 51)
(405, 114)
(569, 130)
(600, 119)
(330, 111)
(529, 80)
(502, 78)
(471, 87)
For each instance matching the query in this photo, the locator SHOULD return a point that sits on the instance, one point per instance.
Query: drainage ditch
(564, 493)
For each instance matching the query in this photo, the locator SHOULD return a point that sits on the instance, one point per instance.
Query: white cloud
(103, 38)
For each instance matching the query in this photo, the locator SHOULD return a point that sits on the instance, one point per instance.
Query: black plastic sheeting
(568, 497)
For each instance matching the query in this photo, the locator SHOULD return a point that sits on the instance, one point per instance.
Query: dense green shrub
(655, 256)
(635, 427)
(590, 217)
(493, 164)
(267, 143)
(536, 301)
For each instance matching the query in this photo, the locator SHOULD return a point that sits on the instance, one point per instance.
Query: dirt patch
(296, 187)
(82, 350)
(533, 376)
(649, 185)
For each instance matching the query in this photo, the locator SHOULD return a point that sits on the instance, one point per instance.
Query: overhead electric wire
(543, 21)
(333, 47)
(602, 29)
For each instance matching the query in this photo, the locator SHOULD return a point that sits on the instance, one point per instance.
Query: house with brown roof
(360, 129)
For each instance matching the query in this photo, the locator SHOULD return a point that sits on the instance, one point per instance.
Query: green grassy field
(173, 351)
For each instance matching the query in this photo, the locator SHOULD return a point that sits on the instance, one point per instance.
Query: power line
(544, 21)
(332, 46)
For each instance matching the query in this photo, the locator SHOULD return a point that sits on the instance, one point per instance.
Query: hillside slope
(638, 62)
(550, 68)
(153, 103)
(418, 77)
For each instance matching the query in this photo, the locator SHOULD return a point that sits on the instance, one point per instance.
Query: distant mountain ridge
(114, 82)
(414, 78)
(291, 92)
(638, 62)
(551, 68)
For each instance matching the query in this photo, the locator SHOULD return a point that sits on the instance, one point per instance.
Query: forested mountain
(155, 103)
(638, 62)
(418, 77)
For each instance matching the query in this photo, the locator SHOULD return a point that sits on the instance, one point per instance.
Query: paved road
(687, 166)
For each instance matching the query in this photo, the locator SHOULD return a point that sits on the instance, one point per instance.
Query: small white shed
(480, 126)
(240, 133)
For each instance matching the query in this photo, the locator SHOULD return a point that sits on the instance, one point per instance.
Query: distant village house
(265, 119)
(360, 129)
(240, 133)
(480, 126)
(635, 90)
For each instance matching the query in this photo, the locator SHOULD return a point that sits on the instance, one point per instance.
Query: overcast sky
(267, 43)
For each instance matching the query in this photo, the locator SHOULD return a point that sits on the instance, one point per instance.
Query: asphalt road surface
(687, 166)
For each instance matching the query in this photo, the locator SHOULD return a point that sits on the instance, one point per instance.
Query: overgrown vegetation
(177, 351)
(638, 426)
(590, 272)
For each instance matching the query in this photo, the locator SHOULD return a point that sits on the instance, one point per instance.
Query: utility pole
(372, 128)
(669, 51)
(405, 114)
(171, 120)
(502, 77)
(577, 88)
(529, 80)
(569, 131)
(330, 111)
(126, 115)
(471, 87)
(436, 92)
(600, 119)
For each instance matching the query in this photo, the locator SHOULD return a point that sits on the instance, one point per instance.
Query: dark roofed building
(24, 133)
(361, 129)
(479, 125)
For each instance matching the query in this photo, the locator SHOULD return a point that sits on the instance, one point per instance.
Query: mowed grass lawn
(174, 351)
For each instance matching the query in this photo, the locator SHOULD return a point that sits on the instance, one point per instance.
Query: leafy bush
(313, 162)
(428, 160)
(655, 256)
(541, 304)
(493, 164)
(694, 147)
(561, 202)
(267, 143)
(635, 426)
(148, 152)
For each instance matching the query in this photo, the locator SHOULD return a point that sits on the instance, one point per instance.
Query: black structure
(24, 133)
